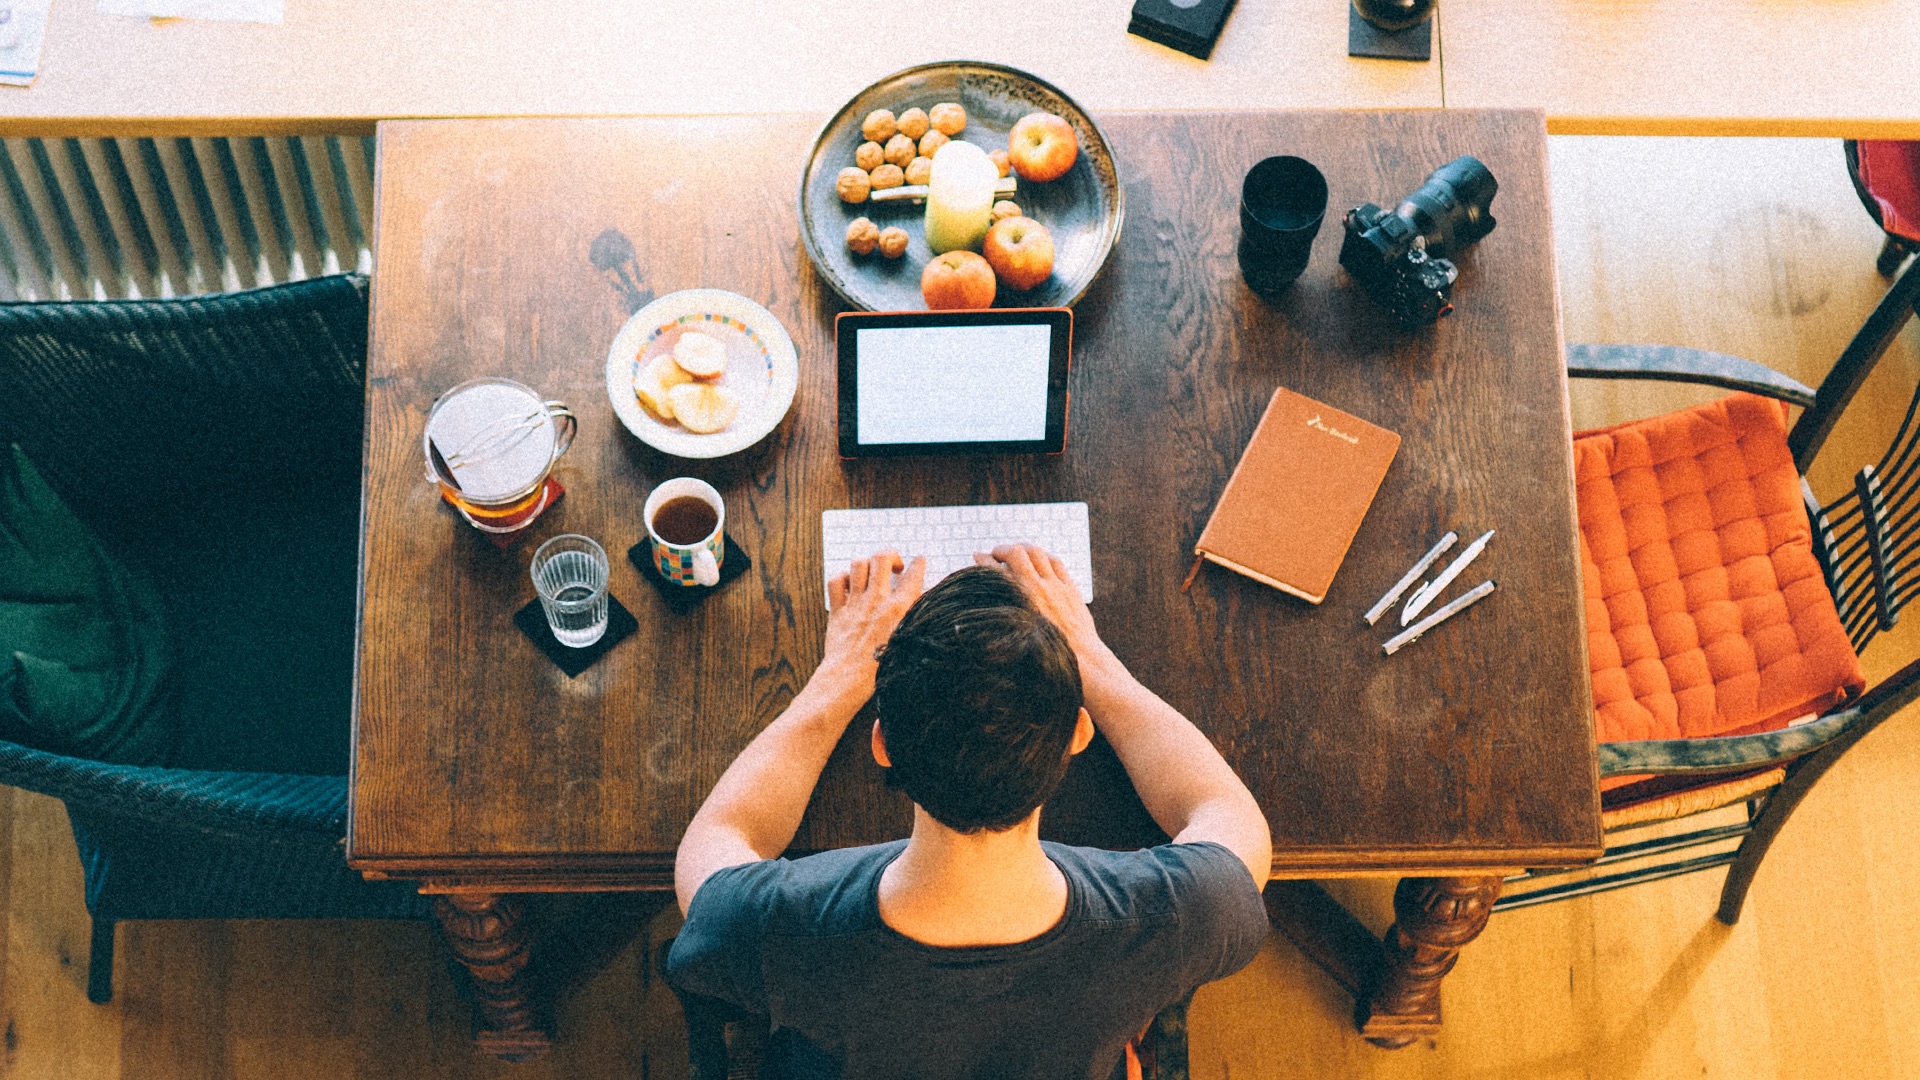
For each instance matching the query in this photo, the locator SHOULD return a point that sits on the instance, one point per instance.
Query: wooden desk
(482, 771)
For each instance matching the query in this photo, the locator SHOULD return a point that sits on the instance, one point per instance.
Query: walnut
(899, 151)
(948, 118)
(879, 125)
(913, 123)
(893, 242)
(853, 185)
(888, 176)
(931, 142)
(999, 159)
(868, 155)
(1006, 208)
(862, 236)
(919, 170)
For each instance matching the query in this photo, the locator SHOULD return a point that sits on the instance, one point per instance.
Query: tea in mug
(687, 519)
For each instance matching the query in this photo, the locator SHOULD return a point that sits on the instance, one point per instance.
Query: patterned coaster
(532, 622)
(683, 597)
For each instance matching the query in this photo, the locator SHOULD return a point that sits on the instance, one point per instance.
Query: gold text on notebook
(1333, 431)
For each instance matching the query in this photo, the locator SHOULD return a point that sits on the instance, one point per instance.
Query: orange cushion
(1706, 611)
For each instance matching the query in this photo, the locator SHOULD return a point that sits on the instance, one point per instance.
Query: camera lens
(1282, 196)
(1453, 208)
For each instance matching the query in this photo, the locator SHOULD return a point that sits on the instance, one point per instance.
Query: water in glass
(570, 573)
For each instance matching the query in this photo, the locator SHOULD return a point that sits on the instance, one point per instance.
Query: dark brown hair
(978, 696)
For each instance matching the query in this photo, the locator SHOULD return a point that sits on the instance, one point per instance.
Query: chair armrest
(1730, 753)
(1672, 363)
(233, 802)
(1737, 753)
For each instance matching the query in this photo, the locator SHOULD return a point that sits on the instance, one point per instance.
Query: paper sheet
(22, 32)
(264, 11)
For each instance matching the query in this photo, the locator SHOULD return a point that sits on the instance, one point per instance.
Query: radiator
(101, 219)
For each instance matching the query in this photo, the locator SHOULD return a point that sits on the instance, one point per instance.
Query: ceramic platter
(1082, 210)
(762, 368)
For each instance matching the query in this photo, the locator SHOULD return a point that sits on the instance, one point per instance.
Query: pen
(1425, 596)
(1393, 594)
(1412, 634)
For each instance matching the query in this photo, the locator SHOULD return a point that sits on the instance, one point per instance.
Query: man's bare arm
(1191, 791)
(755, 809)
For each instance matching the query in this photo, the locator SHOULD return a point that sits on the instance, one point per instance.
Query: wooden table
(483, 772)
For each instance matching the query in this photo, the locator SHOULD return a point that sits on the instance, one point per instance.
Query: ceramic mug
(680, 557)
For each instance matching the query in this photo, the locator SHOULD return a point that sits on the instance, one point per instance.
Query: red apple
(1041, 147)
(1020, 250)
(958, 279)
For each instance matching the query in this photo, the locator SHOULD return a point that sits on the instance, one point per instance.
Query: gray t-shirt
(801, 941)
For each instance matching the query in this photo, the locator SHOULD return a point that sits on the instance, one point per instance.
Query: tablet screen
(937, 384)
(953, 382)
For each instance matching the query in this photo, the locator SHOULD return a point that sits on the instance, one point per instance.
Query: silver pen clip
(1427, 593)
(1393, 594)
(1412, 633)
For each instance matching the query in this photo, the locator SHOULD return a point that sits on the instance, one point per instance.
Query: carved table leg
(1436, 917)
(488, 934)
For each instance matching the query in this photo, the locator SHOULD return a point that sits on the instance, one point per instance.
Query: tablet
(954, 382)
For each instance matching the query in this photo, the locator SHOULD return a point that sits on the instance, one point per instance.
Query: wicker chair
(1867, 544)
(213, 444)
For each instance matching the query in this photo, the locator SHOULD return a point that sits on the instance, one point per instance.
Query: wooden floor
(1751, 247)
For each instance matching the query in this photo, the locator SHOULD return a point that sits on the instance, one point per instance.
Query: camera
(1400, 257)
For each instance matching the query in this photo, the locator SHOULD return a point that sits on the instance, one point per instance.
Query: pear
(700, 355)
(652, 382)
(703, 407)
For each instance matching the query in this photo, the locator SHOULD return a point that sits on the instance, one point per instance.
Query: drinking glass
(570, 573)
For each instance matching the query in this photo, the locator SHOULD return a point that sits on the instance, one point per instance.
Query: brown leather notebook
(1296, 498)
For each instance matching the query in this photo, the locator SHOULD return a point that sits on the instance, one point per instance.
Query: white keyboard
(949, 535)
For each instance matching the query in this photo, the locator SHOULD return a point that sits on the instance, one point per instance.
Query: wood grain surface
(479, 762)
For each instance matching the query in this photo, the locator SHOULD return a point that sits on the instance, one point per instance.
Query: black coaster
(1190, 26)
(533, 622)
(684, 597)
(1366, 39)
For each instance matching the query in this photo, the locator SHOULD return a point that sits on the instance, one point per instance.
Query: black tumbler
(1281, 203)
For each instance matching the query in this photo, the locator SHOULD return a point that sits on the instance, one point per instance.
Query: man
(970, 949)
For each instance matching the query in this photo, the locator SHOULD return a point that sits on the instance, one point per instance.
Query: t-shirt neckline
(1010, 948)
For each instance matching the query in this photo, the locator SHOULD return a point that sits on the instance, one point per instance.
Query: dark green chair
(213, 444)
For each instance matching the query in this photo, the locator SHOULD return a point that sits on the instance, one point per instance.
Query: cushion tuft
(1707, 613)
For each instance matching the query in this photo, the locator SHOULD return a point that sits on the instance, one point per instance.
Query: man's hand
(755, 809)
(1184, 782)
(1051, 589)
(864, 605)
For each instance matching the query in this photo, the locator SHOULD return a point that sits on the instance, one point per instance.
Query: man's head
(979, 698)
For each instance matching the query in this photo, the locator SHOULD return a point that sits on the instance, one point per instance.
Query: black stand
(532, 621)
(1366, 39)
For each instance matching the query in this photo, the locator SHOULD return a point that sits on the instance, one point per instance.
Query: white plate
(762, 368)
